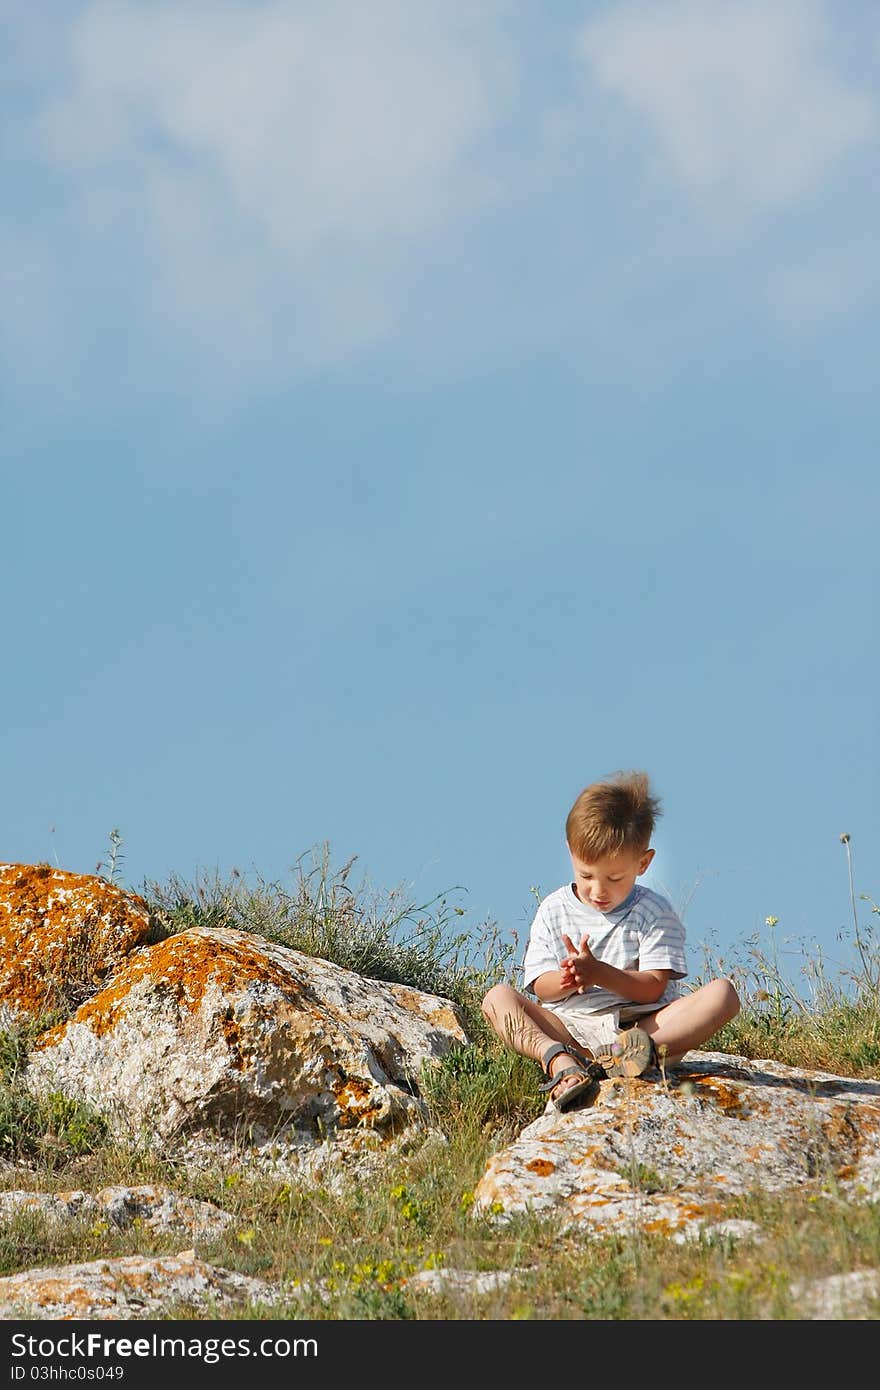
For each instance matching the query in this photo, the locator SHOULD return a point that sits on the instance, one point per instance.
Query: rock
(666, 1153)
(470, 1282)
(721, 1232)
(162, 1210)
(133, 1286)
(60, 935)
(152, 1204)
(218, 1029)
(359, 1155)
(57, 1206)
(840, 1297)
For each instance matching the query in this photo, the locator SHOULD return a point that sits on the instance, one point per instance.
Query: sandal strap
(567, 1071)
(557, 1049)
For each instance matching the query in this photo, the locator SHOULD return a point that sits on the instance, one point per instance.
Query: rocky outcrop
(840, 1297)
(666, 1153)
(60, 935)
(133, 1286)
(152, 1205)
(220, 1044)
(218, 1029)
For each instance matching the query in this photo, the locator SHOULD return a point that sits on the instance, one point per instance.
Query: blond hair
(617, 813)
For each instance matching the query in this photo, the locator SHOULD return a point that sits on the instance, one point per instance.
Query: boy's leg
(690, 1020)
(528, 1028)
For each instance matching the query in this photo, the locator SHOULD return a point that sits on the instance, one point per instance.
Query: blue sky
(414, 411)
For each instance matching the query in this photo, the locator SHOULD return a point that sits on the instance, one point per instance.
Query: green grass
(383, 936)
(346, 1251)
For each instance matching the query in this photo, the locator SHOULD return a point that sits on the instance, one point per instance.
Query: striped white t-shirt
(643, 933)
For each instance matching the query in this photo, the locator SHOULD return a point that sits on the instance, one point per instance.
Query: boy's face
(606, 882)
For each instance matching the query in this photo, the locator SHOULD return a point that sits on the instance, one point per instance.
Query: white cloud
(334, 120)
(250, 181)
(221, 197)
(742, 96)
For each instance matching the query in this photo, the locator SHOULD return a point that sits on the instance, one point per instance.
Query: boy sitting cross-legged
(604, 959)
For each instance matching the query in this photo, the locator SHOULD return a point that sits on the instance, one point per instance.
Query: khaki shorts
(595, 1030)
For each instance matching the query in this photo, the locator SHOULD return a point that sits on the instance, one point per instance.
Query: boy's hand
(578, 969)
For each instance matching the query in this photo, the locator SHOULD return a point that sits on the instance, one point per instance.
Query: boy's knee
(488, 1001)
(730, 997)
(494, 999)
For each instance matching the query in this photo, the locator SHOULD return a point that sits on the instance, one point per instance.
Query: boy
(604, 959)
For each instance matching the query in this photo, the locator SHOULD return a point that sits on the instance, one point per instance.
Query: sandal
(589, 1072)
(631, 1054)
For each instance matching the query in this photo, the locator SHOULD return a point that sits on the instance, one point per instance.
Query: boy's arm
(640, 986)
(552, 986)
(581, 969)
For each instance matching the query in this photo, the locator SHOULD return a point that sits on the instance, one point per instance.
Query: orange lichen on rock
(542, 1167)
(61, 933)
(183, 966)
(660, 1226)
(838, 1129)
(683, 1212)
(356, 1107)
(440, 1011)
(726, 1097)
